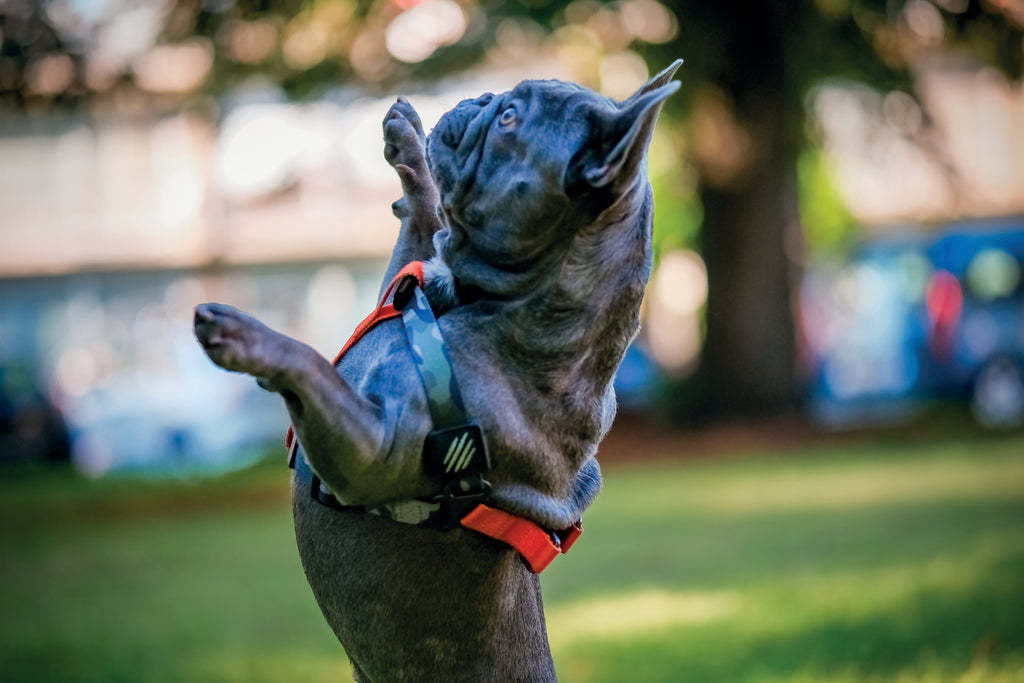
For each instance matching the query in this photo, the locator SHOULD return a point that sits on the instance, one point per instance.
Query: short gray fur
(533, 210)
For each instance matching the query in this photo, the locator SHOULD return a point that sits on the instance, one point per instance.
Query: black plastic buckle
(456, 451)
(404, 291)
(459, 497)
(317, 490)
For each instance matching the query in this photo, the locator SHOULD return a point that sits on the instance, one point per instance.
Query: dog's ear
(623, 134)
(662, 79)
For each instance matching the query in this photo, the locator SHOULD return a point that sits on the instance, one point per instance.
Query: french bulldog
(533, 213)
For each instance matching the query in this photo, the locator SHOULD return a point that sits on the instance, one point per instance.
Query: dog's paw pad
(404, 142)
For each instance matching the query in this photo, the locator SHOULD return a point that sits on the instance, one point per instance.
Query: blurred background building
(158, 154)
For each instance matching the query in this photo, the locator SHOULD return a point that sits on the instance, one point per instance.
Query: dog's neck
(587, 326)
(457, 276)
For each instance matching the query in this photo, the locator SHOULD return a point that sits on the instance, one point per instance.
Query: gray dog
(532, 212)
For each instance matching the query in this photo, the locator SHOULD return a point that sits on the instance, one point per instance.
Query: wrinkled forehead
(554, 96)
(548, 87)
(558, 99)
(547, 92)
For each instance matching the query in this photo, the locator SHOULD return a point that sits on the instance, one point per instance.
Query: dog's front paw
(405, 149)
(404, 140)
(240, 343)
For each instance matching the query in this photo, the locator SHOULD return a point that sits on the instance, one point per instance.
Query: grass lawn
(882, 562)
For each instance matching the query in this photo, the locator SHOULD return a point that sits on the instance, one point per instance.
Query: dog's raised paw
(236, 341)
(404, 140)
(405, 150)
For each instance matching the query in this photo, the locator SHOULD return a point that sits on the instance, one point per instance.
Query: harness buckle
(404, 291)
(459, 497)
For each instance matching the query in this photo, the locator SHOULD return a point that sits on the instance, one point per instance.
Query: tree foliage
(749, 65)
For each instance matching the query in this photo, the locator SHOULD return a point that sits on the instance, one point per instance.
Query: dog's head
(521, 173)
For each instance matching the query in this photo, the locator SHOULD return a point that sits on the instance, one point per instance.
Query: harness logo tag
(460, 453)
(458, 450)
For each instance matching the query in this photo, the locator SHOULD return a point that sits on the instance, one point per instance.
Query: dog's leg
(405, 150)
(330, 417)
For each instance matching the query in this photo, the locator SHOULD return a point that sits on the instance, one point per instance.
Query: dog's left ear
(625, 133)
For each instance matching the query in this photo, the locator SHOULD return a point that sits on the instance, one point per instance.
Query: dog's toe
(203, 314)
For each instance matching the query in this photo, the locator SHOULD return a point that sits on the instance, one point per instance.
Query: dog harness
(454, 451)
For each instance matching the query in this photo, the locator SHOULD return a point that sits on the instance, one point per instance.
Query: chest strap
(455, 450)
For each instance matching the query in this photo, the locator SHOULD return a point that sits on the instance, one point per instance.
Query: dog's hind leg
(418, 209)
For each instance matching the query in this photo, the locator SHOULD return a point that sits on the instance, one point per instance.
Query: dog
(531, 213)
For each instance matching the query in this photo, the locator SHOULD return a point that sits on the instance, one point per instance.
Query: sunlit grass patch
(627, 615)
(243, 665)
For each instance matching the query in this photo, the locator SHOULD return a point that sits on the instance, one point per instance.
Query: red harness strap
(537, 546)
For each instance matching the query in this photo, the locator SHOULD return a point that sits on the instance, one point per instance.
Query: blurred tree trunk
(746, 137)
(748, 365)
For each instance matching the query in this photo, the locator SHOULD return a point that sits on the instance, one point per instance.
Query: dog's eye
(507, 117)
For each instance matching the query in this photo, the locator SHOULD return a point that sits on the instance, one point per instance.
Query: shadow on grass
(931, 635)
(36, 501)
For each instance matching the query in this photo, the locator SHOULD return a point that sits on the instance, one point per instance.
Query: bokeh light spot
(414, 35)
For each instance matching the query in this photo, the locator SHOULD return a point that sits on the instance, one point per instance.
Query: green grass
(880, 563)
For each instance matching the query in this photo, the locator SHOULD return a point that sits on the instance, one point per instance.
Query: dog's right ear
(621, 136)
(662, 79)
